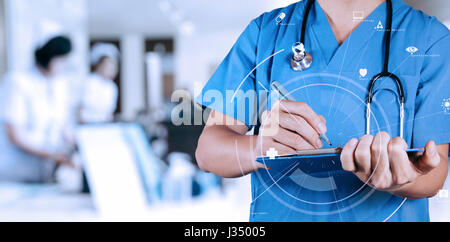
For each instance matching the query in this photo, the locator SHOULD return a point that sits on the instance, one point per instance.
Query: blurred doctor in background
(34, 117)
(99, 100)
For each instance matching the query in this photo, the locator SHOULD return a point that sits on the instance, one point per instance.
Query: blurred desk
(47, 203)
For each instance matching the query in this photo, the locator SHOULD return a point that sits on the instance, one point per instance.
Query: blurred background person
(34, 117)
(99, 100)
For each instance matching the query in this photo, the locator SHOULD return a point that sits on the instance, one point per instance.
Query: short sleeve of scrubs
(432, 117)
(14, 105)
(234, 80)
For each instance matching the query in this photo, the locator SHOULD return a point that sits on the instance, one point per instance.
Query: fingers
(285, 114)
(64, 160)
(383, 162)
(269, 131)
(292, 140)
(322, 118)
(299, 125)
(281, 149)
(267, 144)
(380, 168)
(269, 124)
(429, 160)
(305, 111)
(363, 155)
(347, 156)
(400, 163)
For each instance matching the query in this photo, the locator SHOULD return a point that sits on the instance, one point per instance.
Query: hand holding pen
(290, 126)
(284, 95)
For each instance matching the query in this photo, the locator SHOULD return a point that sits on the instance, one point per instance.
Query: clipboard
(310, 161)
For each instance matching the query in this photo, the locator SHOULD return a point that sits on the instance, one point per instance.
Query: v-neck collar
(337, 56)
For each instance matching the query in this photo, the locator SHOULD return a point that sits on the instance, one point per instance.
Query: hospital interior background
(141, 166)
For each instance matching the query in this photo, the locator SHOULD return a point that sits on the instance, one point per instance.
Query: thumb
(430, 158)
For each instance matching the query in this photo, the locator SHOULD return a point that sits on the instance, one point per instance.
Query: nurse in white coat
(33, 117)
(99, 100)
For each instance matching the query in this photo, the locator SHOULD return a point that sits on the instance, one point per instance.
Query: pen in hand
(285, 95)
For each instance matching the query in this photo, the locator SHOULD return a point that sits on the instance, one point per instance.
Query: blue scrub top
(336, 87)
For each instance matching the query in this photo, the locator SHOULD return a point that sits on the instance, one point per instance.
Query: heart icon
(363, 72)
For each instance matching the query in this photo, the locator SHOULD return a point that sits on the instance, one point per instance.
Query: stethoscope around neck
(302, 60)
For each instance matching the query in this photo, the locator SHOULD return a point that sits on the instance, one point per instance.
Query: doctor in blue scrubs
(379, 181)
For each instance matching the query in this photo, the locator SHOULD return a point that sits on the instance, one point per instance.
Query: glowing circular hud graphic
(341, 101)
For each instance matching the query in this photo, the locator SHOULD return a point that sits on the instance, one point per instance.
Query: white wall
(437, 8)
(133, 87)
(24, 29)
(2, 39)
(197, 56)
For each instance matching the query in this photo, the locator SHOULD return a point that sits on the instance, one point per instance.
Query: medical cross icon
(272, 153)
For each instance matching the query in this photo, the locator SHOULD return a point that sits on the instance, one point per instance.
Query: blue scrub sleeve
(231, 90)
(432, 117)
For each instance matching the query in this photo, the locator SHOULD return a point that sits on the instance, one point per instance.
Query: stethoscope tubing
(384, 74)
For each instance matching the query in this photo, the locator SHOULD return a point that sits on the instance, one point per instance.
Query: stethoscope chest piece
(301, 60)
